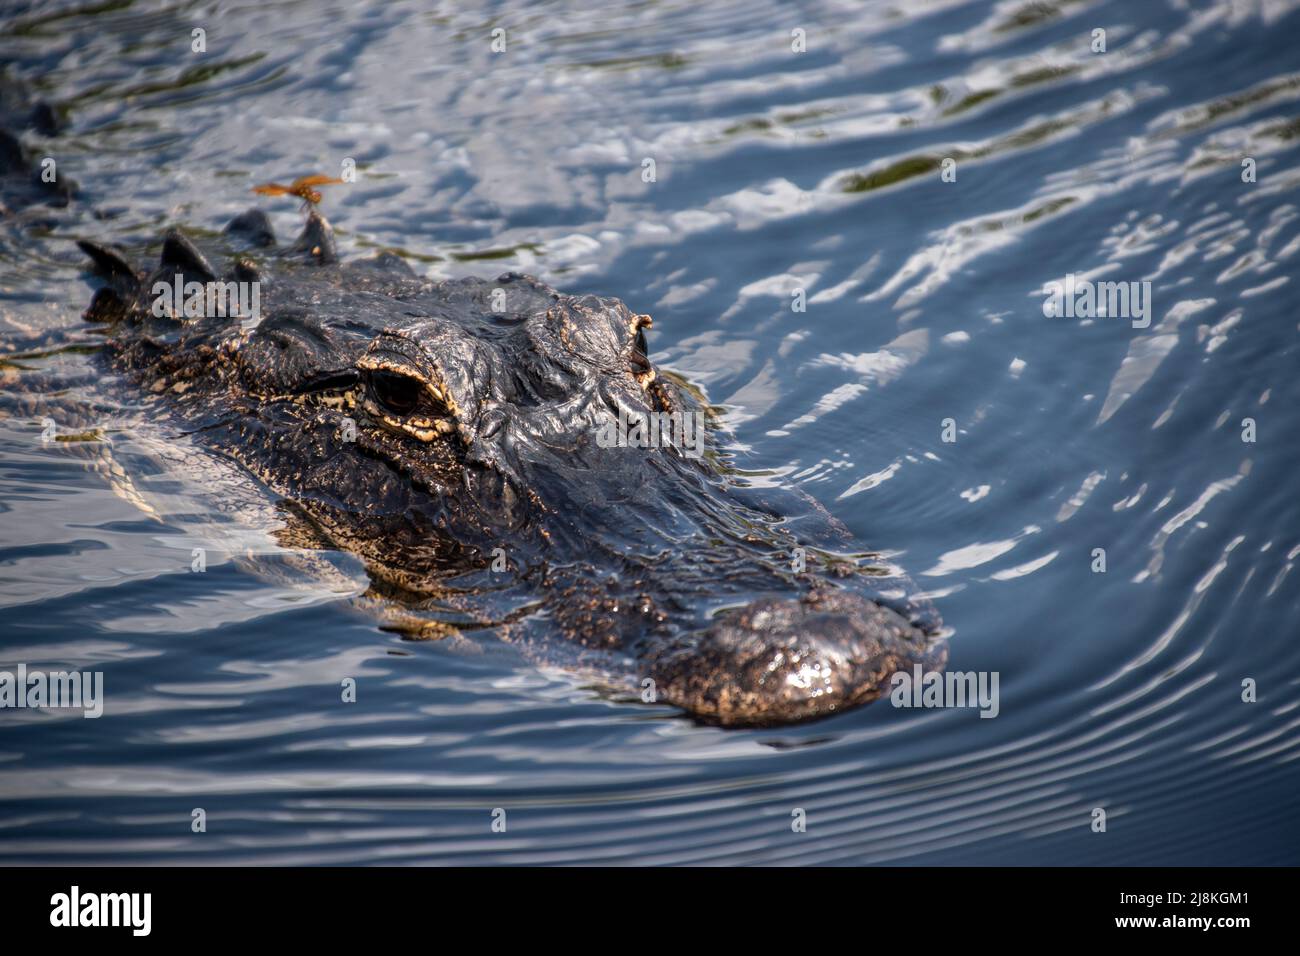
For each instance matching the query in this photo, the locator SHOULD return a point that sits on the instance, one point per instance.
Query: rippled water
(775, 170)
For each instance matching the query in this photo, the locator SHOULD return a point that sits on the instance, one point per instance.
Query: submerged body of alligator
(448, 433)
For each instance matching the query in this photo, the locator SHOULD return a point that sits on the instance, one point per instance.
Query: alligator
(439, 429)
(449, 434)
(25, 181)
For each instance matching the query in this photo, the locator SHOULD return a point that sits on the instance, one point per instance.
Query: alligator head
(476, 443)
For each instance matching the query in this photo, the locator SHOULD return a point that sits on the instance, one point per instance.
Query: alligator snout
(782, 660)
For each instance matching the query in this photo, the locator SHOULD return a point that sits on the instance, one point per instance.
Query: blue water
(775, 170)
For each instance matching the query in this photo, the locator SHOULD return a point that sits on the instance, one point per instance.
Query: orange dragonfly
(301, 187)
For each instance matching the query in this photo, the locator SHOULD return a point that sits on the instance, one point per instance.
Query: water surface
(775, 171)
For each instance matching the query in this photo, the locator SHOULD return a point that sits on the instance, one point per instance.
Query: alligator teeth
(443, 425)
(415, 431)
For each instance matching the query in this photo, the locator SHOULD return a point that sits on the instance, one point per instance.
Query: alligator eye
(398, 394)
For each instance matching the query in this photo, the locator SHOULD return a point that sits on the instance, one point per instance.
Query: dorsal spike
(182, 255)
(12, 158)
(246, 271)
(253, 226)
(110, 262)
(316, 240)
(45, 120)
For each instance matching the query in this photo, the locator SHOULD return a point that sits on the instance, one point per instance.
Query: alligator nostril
(779, 660)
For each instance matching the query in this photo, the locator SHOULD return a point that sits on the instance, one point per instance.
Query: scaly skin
(475, 448)
(475, 430)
